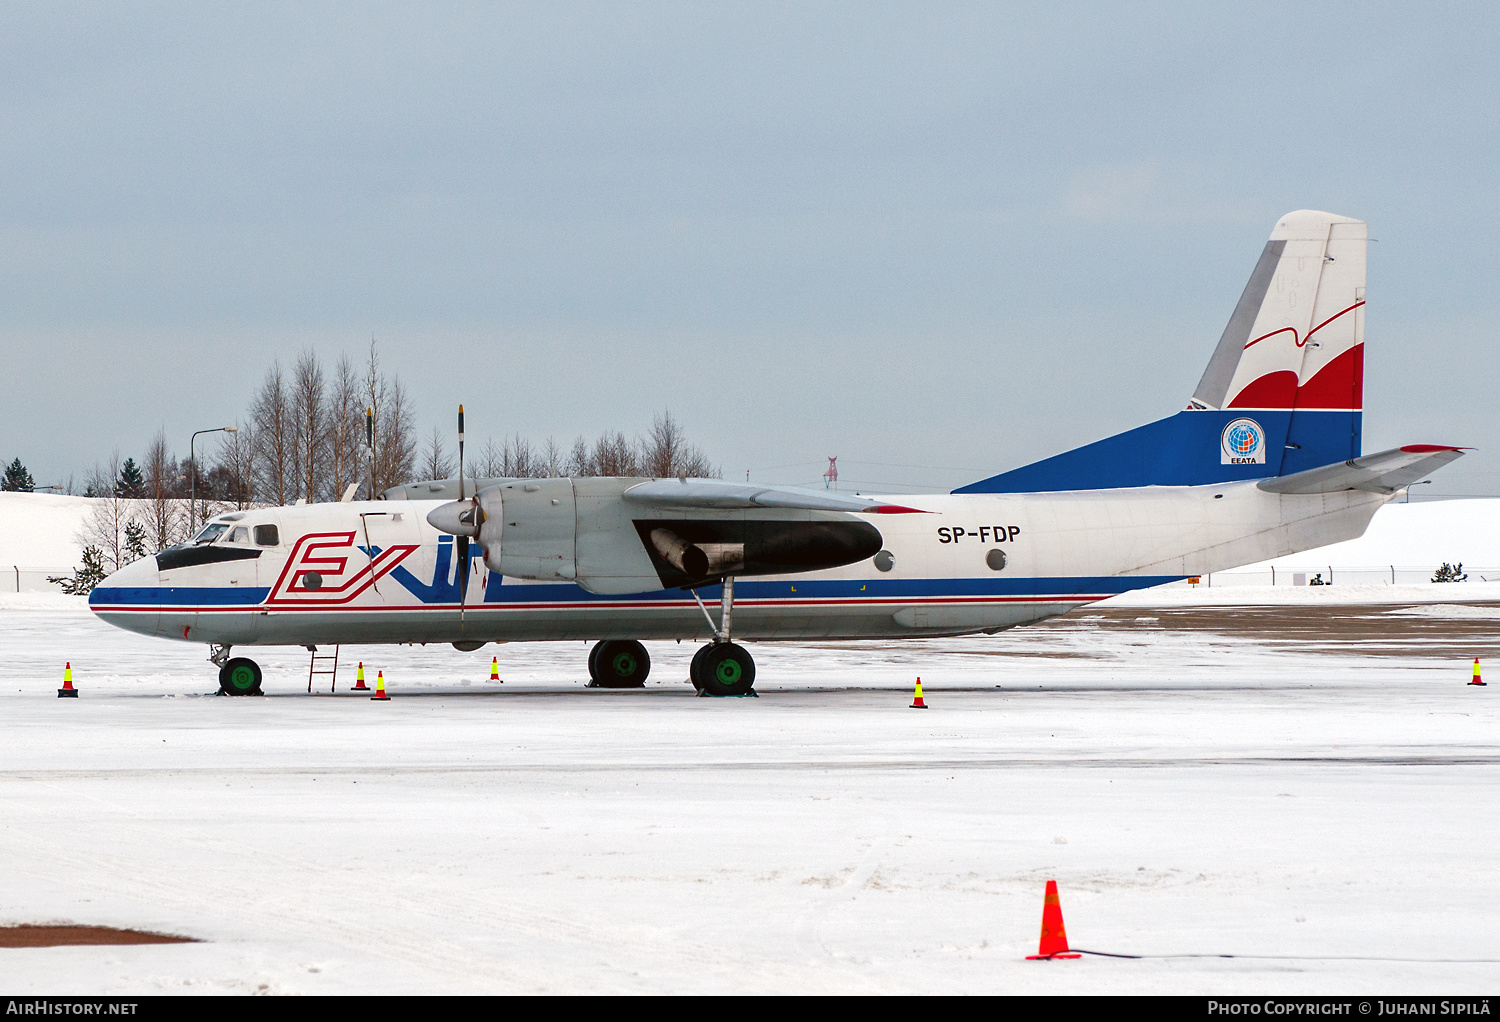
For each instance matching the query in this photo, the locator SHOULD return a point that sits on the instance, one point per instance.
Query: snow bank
(1177, 595)
(41, 530)
(1416, 535)
(43, 601)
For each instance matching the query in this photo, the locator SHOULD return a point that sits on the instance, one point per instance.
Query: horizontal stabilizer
(715, 494)
(1385, 472)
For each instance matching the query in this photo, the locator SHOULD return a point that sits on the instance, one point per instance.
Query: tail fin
(1283, 392)
(1296, 339)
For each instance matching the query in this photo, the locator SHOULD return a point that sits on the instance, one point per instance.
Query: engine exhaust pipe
(679, 553)
(698, 560)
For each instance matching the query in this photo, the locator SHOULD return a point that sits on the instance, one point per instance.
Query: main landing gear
(618, 663)
(238, 676)
(723, 667)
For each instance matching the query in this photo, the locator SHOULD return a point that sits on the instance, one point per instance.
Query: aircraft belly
(674, 617)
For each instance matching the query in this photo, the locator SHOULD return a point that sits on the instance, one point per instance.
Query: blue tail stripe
(1183, 450)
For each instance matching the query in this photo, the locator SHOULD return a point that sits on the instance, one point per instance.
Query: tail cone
(916, 702)
(380, 686)
(69, 692)
(359, 679)
(1054, 938)
(1477, 680)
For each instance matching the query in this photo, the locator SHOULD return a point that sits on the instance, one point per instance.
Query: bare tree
(613, 455)
(579, 463)
(270, 417)
(346, 428)
(489, 463)
(163, 511)
(105, 526)
(395, 452)
(665, 451)
(309, 427)
(437, 464)
(395, 439)
(234, 466)
(374, 393)
(551, 462)
(520, 458)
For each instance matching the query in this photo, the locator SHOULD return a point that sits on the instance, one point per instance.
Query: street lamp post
(1424, 482)
(193, 478)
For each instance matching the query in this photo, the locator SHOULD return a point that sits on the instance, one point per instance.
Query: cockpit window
(210, 532)
(239, 534)
(267, 535)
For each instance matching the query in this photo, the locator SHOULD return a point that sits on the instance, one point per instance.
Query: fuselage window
(267, 535)
(240, 535)
(210, 532)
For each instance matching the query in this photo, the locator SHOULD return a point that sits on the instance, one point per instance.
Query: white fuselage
(385, 575)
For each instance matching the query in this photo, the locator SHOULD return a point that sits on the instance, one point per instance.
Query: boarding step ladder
(330, 667)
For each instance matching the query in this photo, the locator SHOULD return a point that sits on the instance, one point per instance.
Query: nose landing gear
(240, 676)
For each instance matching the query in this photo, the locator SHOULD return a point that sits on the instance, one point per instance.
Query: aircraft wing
(715, 494)
(1385, 472)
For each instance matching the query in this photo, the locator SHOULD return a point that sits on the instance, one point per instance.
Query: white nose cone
(449, 518)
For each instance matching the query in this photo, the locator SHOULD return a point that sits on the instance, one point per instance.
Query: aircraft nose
(129, 598)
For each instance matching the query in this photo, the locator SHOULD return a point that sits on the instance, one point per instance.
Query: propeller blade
(463, 541)
(463, 577)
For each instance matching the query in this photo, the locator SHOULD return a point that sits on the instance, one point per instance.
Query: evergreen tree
(130, 484)
(17, 478)
(135, 540)
(1450, 573)
(84, 579)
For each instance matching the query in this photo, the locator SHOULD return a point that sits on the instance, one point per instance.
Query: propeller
(463, 540)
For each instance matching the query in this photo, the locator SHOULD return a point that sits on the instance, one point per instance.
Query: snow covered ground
(1308, 782)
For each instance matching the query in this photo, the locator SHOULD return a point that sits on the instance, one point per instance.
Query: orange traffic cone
(916, 702)
(359, 679)
(1477, 680)
(69, 692)
(495, 669)
(380, 686)
(1054, 938)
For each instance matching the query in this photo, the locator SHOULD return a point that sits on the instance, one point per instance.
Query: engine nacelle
(529, 529)
(583, 530)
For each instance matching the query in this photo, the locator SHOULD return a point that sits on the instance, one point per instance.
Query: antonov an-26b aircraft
(1265, 461)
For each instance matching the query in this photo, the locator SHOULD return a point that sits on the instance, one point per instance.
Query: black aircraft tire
(695, 669)
(726, 670)
(621, 663)
(240, 676)
(594, 681)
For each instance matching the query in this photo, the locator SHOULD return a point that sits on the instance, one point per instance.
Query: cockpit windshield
(209, 533)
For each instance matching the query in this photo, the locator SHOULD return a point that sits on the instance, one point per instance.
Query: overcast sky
(944, 235)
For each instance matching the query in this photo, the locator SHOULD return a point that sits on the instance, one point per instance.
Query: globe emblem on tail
(1243, 442)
